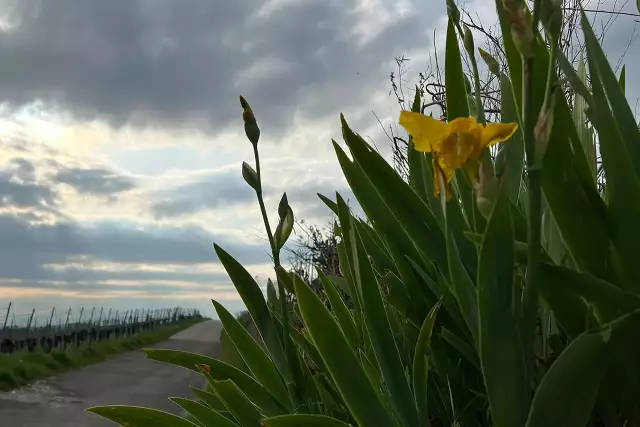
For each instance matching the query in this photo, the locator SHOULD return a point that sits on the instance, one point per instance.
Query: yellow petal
(493, 133)
(463, 124)
(448, 176)
(426, 131)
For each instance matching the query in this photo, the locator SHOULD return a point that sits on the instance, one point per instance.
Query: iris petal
(426, 131)
(493, 133)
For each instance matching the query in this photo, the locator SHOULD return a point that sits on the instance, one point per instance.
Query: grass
(22, 368)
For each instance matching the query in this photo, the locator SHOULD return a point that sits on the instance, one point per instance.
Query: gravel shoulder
(129, 379)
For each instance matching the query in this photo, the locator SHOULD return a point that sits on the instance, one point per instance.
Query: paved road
(126, 379)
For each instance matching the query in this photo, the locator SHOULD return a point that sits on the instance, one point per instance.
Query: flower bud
(542, 130)
(284, 229)
(552, 18)
(521, 30)
(491, 62)
(282, 206)
(468, 41)
(251, 128)
(250, 176)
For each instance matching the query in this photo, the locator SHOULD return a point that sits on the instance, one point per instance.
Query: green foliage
(516, 307)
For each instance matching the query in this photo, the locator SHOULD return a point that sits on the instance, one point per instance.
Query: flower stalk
(253, 133)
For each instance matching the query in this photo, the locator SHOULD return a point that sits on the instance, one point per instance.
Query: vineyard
(38, 331)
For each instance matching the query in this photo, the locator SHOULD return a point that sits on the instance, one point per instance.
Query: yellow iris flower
(453, 144)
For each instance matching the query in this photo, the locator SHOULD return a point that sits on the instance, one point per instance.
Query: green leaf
(568, 392)
(133, 416)
(570, 311)
(464, 348)
(254, 356)
(285, 277)
(623, 78)
(442, 290)
(330, 203)
(202, 413)
(340, 310)
(572, 197)
(580, 120)
(344, 367)
(384, 345)
(209, 399)
(510, 160)
(344, 214)
(406, 206)
(421, 366)
(618, 136)
(299, 420)
(457, 105)
(237, 403)
(463, 288)
(254, 301)
(375, 247)
(375, 209)
(501, 353)
(220, 371)
(609, 301)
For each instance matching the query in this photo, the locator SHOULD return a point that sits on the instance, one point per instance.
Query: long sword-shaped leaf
(344, 367)
(501, 352)
(253, 299)
(133, 416)
(254, 356)
(619, 142)
(296, 420)
(203, 414)
(220, 371)
(340, 310)
(568, 392)
(237, 403)
(384, 345)
(421, 365)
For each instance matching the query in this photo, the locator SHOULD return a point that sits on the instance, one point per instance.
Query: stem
(476, 81)
(263, 210)
(534, 179)
(276, 258)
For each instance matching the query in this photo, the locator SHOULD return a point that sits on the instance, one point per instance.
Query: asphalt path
(127, 379)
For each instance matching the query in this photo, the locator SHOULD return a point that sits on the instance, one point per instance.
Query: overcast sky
(121, 137)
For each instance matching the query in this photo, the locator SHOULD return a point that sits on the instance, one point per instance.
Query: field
(23, 367)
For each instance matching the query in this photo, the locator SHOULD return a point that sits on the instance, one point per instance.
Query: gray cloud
(26, 247)
(19, 189)
(218, 190)
(164, 62)
(98, 181)
(25, 195)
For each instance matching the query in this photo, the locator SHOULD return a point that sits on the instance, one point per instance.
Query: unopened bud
(542, 130)
(250, 176)
(512, 6)
(251, 128)
(491, 62)
(468, 41)
(521, 30)
(284, 229)
(552, 18)
(523, 37)
(453, 11)
(282, 206)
